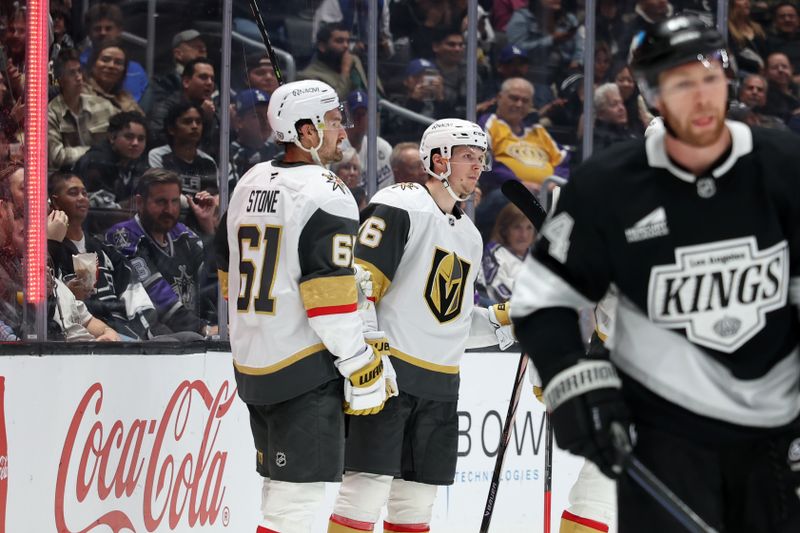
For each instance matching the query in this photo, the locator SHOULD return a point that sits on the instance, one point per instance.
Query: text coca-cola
(144, 471)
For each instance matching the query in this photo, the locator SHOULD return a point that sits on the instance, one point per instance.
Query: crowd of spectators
(134, 156)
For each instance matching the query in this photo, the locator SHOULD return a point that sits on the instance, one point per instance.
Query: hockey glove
(365, 384)
(500, 321)
(585, 399)
(379, 343)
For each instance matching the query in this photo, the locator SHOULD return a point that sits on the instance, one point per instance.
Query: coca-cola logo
(3, 467)
(182, 470)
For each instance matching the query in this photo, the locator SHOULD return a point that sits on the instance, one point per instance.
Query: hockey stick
(548, 470)
(265, 37)
(530, 207)
(654, 486)
(504, 440)
(520, 196)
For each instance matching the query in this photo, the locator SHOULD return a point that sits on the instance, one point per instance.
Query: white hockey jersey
(424, 264)
(292, 294)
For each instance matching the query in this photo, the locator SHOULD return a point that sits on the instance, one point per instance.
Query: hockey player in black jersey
(698, 229)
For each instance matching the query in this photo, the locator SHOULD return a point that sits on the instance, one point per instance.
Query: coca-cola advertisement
(162, 443)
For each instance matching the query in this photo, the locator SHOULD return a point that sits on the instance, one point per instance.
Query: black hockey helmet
(675, 41)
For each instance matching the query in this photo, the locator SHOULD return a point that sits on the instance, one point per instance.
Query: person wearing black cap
(253, 135)
(698, 228)
(187, 45)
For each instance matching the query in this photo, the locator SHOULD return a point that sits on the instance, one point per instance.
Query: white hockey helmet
(445, 134)
(300, 100)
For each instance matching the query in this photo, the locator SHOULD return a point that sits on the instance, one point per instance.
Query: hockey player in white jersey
(699, 231)
(423, 255)
(295, 331)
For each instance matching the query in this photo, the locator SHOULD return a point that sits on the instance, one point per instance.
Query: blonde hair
(507, 217)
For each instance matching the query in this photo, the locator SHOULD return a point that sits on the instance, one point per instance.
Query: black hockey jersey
(706, 268)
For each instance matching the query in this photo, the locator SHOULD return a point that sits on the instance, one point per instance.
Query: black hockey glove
(585, 399)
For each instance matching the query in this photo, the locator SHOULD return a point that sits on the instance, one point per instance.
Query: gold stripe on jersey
(380, 283)
(427, 365)
(223, 282)
(280, 365)
(329, 292)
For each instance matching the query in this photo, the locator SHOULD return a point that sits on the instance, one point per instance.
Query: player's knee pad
(290, 507)
(359, 503)
(410, 507)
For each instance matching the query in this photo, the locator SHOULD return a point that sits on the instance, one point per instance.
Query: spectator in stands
(502, 11)
(352, 14)
(746, 38)
(610, 28)
(12, 112)
(520, 150)
(111, 168)
(449, 57)
(418, 20)
(61, 34)
(105, 21)
(106, 69)
(424, 94)
(638, 114)
(334, 63)
(166, 256)
(11, 272)
(602, 63)
(75, 120)
(348, 168)
(406, 164)
(12, 182)
(753, 94)
(187, 45)
(647, 14)
(113, 294)
(357, 138)
(785, 35)
(253, 142)
(611, 123)
(548, 34)
(563, 118)
(782, 93)
(182, 153)
(197, 88)
(259, 73)
(14, 39)
(512, 236)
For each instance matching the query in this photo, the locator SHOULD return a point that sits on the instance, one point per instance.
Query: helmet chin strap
(449, 188)
(314, 149)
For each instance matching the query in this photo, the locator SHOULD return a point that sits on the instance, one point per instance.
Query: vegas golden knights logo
(447, 280)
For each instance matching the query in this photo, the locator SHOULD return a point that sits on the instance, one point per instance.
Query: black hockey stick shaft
(503, 446)
(520, 196)
(548, 471)
(265, 37)
(650, 483)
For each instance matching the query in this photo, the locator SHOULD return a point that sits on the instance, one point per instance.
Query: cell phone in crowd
(429, 79)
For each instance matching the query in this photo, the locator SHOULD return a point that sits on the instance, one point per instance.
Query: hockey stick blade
(505, 438)
(650, 483)
(520, 196)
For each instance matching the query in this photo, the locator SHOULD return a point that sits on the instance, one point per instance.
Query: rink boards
(118, 443)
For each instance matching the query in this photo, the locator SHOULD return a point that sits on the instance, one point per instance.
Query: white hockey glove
(363, 282)
(501, 322)
(365, 384)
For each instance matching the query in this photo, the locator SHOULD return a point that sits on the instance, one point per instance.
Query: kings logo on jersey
(720, 292)
(447, 280)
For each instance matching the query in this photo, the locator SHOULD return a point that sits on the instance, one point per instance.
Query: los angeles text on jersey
(720, 292)
(262, 201)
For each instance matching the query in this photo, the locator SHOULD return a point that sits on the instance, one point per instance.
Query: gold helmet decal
(444, 291)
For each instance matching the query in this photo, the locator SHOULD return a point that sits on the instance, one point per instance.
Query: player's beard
(334, 155)
(686, 134)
